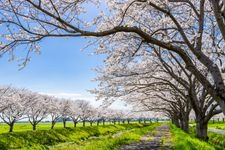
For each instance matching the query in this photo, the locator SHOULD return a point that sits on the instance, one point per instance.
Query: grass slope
(184, 141)
(111, 141)
(43, 139)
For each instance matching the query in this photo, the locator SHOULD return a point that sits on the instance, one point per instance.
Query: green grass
(43, 139)
(217, 139)
(112, 141)
(18, 127)
(217, 125)
(184, 141)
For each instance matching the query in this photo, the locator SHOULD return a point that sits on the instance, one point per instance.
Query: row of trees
(165, 55)
(19, 104)
(173, 64)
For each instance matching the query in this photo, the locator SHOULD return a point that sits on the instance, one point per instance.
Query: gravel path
(157, 140)
(218, 131)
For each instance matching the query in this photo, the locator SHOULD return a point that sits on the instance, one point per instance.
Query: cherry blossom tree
(15, 107)
(65, 110)
(37, 108)
(85, 108)
(54, 110)
(131, 28)
(76, 112)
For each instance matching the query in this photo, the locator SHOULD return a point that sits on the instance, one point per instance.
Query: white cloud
(75, 96)
(88, 97)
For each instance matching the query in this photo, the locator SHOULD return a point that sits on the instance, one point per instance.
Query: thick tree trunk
(185, 126)
(176, 122)
(103, 122)
(185, 123)
(11, 127)
(74, 124)
(222, 105)
(91, 123)
(202, 129)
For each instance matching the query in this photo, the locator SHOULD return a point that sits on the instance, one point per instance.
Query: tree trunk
(11, 127)
(91, 123)
(53, 124)
(74, 124)
(103, 122)
(185, 126)
(34, 126)
(201, 130)
(83, 123)
(176, 122)
(185, 123)
(222, 105)
(97, 122)
(64, 123)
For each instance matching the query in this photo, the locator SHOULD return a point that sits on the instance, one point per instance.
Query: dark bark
(98, 122)
(202, 129)
(64, 123)
(176, 122)
(83, 123)
(185, 125)
(34, 126)
(11, 127)
(74, 124)
(53, 124)
(184, 121)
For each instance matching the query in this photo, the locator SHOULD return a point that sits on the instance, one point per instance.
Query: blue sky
(60, 68)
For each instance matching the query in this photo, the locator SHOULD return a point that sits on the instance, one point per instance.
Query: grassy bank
(43, 139)
(21, 127)
(184, 141)
(217, 139)
(110, 141)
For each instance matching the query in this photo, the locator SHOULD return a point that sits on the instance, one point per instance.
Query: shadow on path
(159, 139)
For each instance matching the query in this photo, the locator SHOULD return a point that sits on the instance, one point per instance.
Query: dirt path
(156, 140)
(218, 131)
